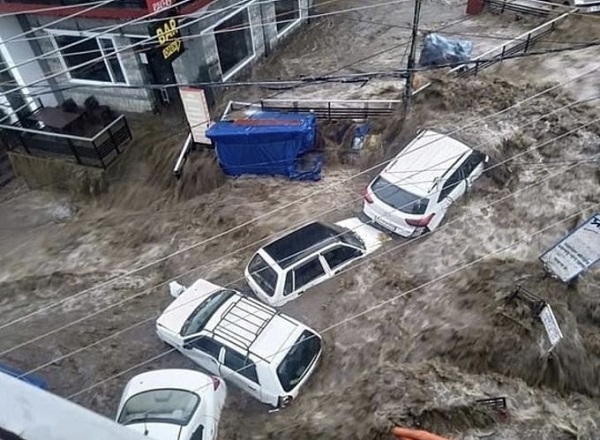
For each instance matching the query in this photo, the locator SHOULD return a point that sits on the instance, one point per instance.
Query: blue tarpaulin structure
(268, 143)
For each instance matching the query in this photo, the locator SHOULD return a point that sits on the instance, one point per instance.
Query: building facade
(123, 58)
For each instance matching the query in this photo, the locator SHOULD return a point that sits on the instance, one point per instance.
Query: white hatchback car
(413, 193)
(262, 351)
(173, 404)
(287, 267)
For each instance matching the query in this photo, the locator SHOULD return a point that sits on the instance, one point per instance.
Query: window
(289, 283)
(287, 13)
(208, 346)
(308, 272)
(398, 198)
(471, 163)
(451, 183)
(340, 255)
(199, 317)
(76, 50)
(263, 274)
(234, 42)
(160, 406)
(198, 433)
(298, 360)
(241, 365)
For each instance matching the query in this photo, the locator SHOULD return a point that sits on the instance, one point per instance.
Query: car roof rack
(243, 322)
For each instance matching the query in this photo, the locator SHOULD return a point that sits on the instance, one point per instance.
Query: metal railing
(520, 44)
(98, 151)
(531, 7)
(322, 109)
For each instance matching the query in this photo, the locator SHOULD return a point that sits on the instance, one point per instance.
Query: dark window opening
(296, 363)
(263, 274)
(234, 41)
(107, 69)
(398, 198)
(472, 161)
(241, 365)
(286, 13)
(308, 272)
(199, 317)
(340, 255)
(208, 346)
(451, 183)
(289, 283)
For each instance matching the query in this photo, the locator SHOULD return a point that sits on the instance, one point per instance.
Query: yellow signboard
(168, 35)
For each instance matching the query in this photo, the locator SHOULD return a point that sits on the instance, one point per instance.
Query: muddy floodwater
(414, 335)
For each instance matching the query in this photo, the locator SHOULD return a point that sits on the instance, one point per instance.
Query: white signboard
(551, 326)
(196, 110)
(576, 252)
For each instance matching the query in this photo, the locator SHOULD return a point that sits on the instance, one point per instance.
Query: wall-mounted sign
(168, 36)
(157, 5)
(576, 252)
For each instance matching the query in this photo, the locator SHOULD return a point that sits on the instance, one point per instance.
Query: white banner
(196, 110)
(551, 326)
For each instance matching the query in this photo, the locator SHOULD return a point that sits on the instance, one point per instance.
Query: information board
(196, 110)
(576, 252)
(551, 326)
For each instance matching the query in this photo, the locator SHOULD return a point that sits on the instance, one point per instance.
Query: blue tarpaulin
(268, 143)
(438, 50)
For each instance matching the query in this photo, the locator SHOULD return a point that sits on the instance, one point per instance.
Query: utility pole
(411, 57)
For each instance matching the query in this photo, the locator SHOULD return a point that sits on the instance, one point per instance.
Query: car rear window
(298, 360)
(264, 275)
(398, 198)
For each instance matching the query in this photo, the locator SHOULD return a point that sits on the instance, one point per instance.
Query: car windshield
(298, 360)
(264, 275)
(198, 319)
(160, 406)
(398, 198)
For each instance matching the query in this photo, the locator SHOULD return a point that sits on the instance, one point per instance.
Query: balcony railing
(99, 150)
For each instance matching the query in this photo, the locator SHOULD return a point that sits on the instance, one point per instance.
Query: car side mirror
(175, 289)
(187, 345)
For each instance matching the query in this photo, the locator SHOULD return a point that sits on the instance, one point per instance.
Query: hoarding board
(576, 252)
(196, 110)
(551, 326)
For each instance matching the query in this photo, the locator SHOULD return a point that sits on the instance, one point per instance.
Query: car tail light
(284, 401)
(367, 196)
(421, 222)
(216, 382)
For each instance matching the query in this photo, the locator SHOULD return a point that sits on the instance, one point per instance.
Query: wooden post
(411, 57)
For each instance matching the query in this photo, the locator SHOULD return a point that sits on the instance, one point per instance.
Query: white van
(262, 351)
(413, 193)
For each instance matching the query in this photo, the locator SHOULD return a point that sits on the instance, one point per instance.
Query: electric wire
(279, 209)
(230, 284)
(369, 309)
